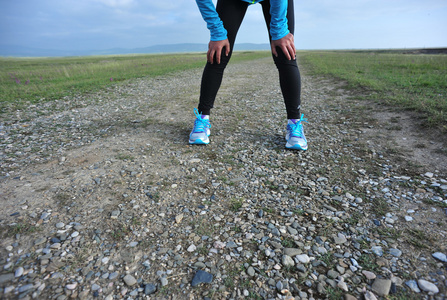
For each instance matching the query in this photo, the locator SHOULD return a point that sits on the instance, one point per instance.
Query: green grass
(236, 204)
(25, 81)
(416, 82)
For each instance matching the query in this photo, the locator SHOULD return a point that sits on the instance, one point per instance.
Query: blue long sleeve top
(278, 24)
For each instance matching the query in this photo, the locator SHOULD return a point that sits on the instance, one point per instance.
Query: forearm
(278, 23)
(213, 22)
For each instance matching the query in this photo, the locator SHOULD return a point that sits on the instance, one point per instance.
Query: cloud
(99, 24)
(116, 3)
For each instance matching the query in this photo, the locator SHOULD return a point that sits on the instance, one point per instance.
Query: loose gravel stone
(201, 277)
(381, 286)
(428, 286)
(150, 289)
(440, 256)
(129, 280)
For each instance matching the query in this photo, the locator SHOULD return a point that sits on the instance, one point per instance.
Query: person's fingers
(227, 48)
(274, 50)
(286, 52)
(210, 55)
(218, 53)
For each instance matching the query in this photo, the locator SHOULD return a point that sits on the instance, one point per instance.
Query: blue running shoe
(295, 135)
(201, 131)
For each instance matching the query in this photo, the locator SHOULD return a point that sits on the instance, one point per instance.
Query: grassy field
(409, 81)
(35, 80)
(416, 82)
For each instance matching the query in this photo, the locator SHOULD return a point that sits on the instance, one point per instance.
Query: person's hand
(286, 44)
(215, 48)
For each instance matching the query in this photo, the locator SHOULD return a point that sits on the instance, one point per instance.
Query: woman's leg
(289, 74)
(231, 12)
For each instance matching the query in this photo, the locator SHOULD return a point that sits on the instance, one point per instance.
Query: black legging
(232, 12)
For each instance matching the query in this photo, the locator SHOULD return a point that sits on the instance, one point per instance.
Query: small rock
(26, 287)
(251, 271)
(201, 277)
(377, 250)
(381, 286)
(350, 297)
(440, 256)
(164, 281)
(287, 261)
(113, 276)
(292, 251)
(231, 244)
(412, 284)
(115, 214)
(39, 241)
(342, 285)
(340, 239)
(369, 275)
(427, 286)
(60, 225)
(395, 252)
(71, 286)
(191, 248)
(8, 289)
(129, 280)
(370, 296)
(149, 289)
(179, 218)
(19, 272)
(332, 274)
(303, 258)
(219, 245)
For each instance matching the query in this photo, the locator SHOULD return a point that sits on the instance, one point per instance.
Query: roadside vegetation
(416, 82)
(25, 81)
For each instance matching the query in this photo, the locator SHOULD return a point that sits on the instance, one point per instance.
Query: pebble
(292, 251)
(412, 284)
(428, 287)
(150, 289)
(377, 250)
(287, 261)
(19, 272)
(113, 276)
(60, 225)
(440, 256)
(179, 218)
(71, 286)
(369, 275)
(395, 252)
(129, 280)
(381, 286)
(303, 258)
(164, 281)
(369, 296)
(201, 277)
(340, 239)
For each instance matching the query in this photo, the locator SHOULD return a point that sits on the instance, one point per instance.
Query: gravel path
(103, 197)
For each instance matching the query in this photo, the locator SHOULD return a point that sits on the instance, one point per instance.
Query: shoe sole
(296, 147)
(199, 142)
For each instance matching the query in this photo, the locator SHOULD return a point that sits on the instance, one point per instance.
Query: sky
(319, 24)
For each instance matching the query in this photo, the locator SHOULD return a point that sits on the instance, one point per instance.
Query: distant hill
(15, 51)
